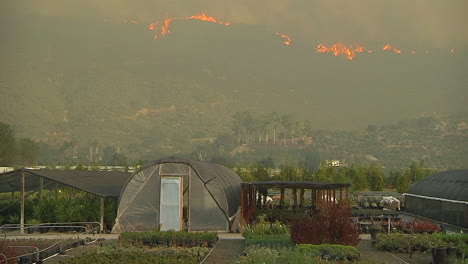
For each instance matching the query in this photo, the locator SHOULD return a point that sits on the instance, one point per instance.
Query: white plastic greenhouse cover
(208, 198)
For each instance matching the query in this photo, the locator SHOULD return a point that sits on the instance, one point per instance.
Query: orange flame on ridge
(340, 48)
(204, 17)
(389, 47)
(287, 41)
(164, 30)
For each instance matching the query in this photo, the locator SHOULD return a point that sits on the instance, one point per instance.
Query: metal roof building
(442, 197)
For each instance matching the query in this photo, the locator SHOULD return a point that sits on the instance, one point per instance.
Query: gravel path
(229, 248)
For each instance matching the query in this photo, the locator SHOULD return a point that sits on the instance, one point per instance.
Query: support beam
(282, 198)
(102, 215)
(294, 197)
(301, 197)
(313, 197)
(319, 198)
(23, 184)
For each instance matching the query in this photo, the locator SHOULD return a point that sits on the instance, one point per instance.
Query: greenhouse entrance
(171, 203)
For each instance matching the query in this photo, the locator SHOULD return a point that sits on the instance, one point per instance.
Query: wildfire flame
(389, 47)
(341, 49)
(338, 49)
(204, 17)
(287, 41)
(164, 29)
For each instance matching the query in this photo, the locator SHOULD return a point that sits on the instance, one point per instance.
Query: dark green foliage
(70, 206)
(7, 145)
(408, 243)
(330, 252)
(280, 215)
(289, 173)
(24, 151)
(168, 238)
(259, 172)
(270, 241)
(375, 177)
(265, 228)
(262, 255)
(109, 254)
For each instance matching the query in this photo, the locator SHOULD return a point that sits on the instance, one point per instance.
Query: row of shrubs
(168, 238)
(111, 254)
(409, 243)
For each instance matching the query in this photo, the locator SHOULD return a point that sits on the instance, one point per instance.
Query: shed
(442, 197)
(179, 195)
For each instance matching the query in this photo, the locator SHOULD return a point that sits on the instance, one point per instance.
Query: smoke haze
(82, 67)
(419, 23)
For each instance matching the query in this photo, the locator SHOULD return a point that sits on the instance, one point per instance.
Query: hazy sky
(431, 23)
(379, 89)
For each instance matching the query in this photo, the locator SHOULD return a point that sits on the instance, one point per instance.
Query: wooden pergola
(254, 195)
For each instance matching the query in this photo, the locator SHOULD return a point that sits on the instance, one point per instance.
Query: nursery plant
(168, 238)
(331, 225)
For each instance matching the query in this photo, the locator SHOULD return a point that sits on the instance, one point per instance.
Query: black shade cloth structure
(100, 183)
(451, 185)
(179, 195)
(442, 196)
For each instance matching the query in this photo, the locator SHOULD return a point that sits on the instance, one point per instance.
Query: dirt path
(229, 248)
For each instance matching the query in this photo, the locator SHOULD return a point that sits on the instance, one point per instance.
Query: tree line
(270, 128)
(371, 177)
(14, 151)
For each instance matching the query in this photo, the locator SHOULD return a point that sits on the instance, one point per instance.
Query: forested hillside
(85, 95)
(440, 142)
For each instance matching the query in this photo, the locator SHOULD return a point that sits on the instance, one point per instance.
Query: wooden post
(23, 185)
(301, 198)
(319, 198)
(282, 197)
(332, 196)
(242, 203)
(295, 197)
(313, 197)
(341, 195)
(102, 215)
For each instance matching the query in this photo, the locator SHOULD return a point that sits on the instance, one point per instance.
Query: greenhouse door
(171, 203)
